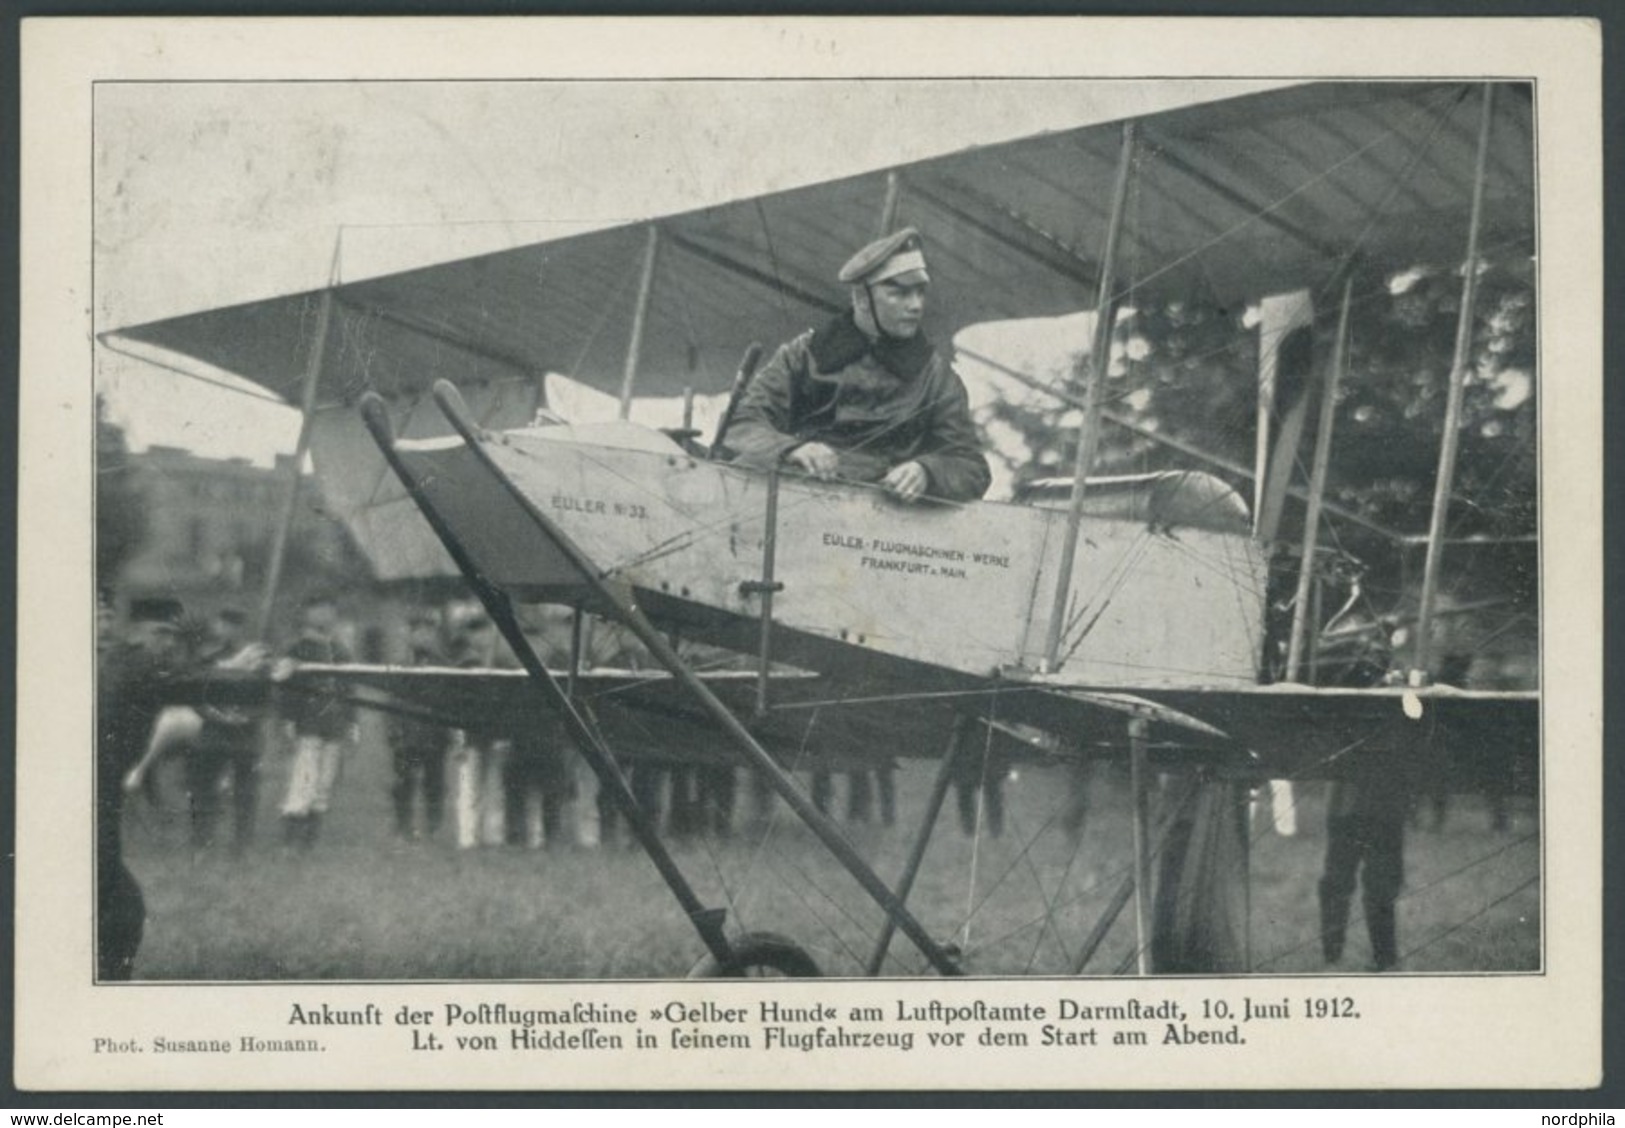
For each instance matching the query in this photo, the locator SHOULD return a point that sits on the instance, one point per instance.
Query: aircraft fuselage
(963, 588)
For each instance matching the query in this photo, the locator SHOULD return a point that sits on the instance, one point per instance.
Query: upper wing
(1237, 198)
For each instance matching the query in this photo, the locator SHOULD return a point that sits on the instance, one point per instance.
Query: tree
(1188, 370)
(121, 502)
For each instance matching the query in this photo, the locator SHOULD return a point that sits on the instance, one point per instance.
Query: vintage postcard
(810, 553)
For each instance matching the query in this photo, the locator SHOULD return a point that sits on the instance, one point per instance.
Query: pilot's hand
(134, 779)
(282, 669)
(907, 481)
(816, 459)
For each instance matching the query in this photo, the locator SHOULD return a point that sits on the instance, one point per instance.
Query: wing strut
(640, 315)
(1089, 430)
(707, 921)
(621, 606)
(742, 379)
(296, 469)
(1451, 440)
(1317, 490)
(765, 587)
(1139, 788)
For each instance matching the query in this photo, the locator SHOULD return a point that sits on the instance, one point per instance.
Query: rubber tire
(765, 950)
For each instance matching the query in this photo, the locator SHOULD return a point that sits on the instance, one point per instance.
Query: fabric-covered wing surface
(1233, 199)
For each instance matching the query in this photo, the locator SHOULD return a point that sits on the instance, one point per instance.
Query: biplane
(1133, 606)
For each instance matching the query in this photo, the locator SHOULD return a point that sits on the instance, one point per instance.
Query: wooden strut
(1139, 786)
(765, 587)
(1451, 440)
(307, 409)
(742, 379)
(578, 622)
(1089, 430)
(889, 205)
(922, 839)
(452, 406)
(640, 316)
(1317, 489)
(707, 922)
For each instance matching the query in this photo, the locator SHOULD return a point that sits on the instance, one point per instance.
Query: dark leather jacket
(876, 408)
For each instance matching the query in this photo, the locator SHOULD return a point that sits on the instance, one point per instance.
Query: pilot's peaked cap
(899, 253)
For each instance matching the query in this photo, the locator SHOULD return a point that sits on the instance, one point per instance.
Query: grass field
(362, 906)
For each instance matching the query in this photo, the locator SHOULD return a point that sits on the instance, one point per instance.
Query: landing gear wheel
(759, 955)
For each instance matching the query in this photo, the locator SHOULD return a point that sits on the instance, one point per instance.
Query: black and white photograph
(1086, 535)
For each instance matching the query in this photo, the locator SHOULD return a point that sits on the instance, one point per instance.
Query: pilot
(866, 397)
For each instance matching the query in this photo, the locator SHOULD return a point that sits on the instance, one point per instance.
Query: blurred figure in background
(131, 672)
(226, 751)
(418, 747)
(1365, 838)
(479, 755)
(1432, 804)
(702, 800)
(539, 784)
(1079, 772)
(1365, 830)
(606, 645)
(861, 787)
(318, 720)
(981, 774)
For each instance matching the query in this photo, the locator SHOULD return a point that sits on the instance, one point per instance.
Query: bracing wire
(1050, 906)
